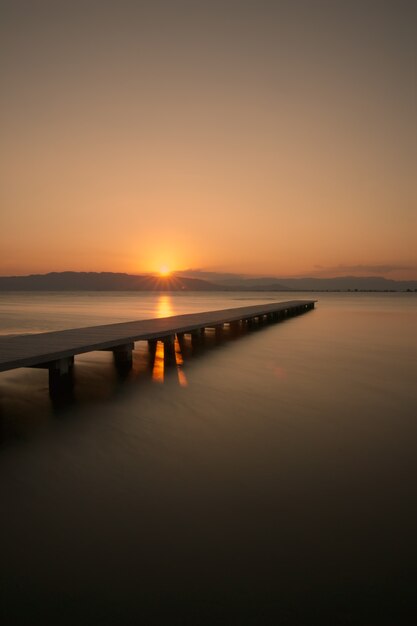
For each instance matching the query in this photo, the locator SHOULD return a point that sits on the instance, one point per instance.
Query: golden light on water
(182, 379)
(164, 306)
(159, 365)
(178, 356)
(179, 361)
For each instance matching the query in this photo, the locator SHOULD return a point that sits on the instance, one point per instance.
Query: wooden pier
(56, 350)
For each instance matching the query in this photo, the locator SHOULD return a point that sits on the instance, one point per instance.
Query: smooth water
(268, 478)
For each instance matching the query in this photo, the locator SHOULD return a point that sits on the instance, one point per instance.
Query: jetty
(55, 351)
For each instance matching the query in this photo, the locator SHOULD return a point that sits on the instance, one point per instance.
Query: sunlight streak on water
(179, 361)
(159, 363)
(165, 306)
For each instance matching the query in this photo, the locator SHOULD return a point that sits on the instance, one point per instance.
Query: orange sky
(264, 138)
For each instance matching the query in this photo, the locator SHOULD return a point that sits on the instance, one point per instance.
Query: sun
(164, 271)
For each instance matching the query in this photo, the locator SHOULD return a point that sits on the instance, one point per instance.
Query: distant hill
(109, 281)
(342, 283)
(255, 284)
(237, 281)
(102, 281)
(349, 283)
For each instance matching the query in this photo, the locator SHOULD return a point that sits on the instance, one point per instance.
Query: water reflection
(160, 363)
(182, 379)
(179, 362)
(97, 379)
(178, 354)
(164, 306)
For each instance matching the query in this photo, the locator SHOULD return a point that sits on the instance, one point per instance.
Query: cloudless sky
(267, 137)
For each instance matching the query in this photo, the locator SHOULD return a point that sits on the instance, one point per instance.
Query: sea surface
(265, 478)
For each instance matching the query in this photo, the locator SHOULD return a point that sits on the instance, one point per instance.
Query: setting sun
(164, 271)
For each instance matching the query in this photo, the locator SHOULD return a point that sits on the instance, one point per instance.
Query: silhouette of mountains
(265, 283)
(102, 281)
(342, 283)
(197, 281)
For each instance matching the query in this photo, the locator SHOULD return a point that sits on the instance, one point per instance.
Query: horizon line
(231, 275)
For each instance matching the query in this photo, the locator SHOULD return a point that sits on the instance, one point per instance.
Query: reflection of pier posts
(169, 349)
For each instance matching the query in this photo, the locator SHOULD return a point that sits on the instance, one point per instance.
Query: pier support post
(169, 349)
(181, 342)
(218, 331)
(122, 355)
(61, 375)
(235, 327)
(152, 347)
(196, 338)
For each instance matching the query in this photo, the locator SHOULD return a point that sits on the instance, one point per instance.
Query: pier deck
(56, 350)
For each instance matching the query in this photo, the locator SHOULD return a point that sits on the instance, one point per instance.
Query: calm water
(265, 479)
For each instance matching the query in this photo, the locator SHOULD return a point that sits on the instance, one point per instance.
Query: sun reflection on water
(179, 361)
(178, 355)
(182, 379)
(158, 369)
(164, 307)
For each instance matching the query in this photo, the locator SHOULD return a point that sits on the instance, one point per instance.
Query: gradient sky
(267, 137)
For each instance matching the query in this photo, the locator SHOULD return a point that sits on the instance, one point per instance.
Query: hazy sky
(269, 137)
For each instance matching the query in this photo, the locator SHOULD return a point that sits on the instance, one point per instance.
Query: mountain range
(271, 283)
(102, 281)
(195, 280)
